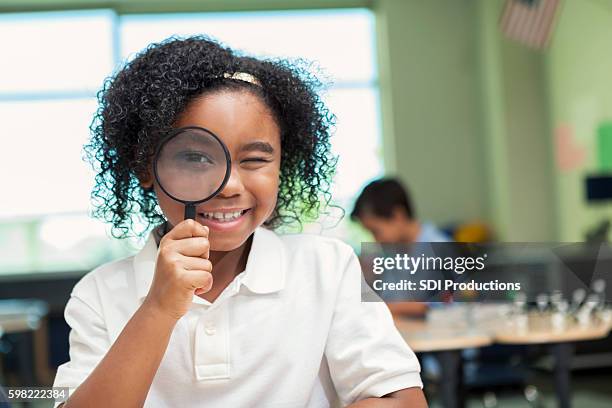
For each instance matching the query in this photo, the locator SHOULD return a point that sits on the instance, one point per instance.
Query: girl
(221, 311)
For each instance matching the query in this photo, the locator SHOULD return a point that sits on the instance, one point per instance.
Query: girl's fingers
(189, 238)
(186, 229)
(191, 263)
(197, 279)
(197, 246)
(206, 253)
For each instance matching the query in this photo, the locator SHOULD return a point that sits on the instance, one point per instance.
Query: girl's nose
(234, 185)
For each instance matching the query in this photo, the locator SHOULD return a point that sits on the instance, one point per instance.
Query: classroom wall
(516, 133)
(528, 98)
(430, 103)
(465, 116)
(579, 76)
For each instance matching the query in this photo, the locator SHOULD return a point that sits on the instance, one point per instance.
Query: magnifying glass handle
(190, 211)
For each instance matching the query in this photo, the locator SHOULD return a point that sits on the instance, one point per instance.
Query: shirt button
(210, 330)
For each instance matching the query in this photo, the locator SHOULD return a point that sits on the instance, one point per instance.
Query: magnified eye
(194, 158)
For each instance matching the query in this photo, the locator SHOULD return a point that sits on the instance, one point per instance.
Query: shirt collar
(263, 273)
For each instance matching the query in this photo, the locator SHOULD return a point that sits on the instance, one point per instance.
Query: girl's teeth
(219, 216)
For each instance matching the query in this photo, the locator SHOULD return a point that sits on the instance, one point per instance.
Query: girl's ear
(146, 185)
(146, 180)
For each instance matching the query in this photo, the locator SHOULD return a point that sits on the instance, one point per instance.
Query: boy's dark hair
(145, 97)
(380, 197)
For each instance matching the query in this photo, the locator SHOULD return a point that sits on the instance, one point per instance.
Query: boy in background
(385, 209)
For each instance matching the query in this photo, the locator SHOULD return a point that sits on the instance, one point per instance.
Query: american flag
(529, 22)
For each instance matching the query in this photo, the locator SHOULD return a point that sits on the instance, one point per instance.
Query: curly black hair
(148, 94)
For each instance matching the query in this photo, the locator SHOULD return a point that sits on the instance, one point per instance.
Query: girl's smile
(222, 219)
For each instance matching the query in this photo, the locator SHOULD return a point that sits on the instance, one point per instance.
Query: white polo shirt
(289, 331)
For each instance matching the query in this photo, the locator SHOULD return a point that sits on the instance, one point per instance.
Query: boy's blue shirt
(430, 233)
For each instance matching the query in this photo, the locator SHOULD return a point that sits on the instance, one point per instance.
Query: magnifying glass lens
(192, 165)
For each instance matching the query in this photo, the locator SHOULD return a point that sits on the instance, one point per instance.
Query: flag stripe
(530, 24)
(535, 22)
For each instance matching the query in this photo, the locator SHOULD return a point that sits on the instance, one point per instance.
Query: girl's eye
(194, 158)
(254, 162)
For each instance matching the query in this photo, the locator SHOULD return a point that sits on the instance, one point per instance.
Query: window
(56, 64)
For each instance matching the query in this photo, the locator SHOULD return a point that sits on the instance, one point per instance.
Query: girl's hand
(182, 269)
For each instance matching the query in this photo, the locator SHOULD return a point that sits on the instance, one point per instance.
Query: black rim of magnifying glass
(190, 205)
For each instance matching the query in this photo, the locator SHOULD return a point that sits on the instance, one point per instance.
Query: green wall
(430, 101)
(516, 133)
(526, 95)
(467, 115)
(579, 73)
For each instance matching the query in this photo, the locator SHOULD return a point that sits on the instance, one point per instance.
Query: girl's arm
(408, 309)
(366, 355)
(124, 376)
(409, 397)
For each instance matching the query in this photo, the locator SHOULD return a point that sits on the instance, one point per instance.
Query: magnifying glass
(191, 165)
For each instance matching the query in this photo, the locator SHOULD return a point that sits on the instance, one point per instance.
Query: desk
(24, 319)
(539, 330)
(445, 342)
(21, 315)
(423, 336)
(449, 330)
